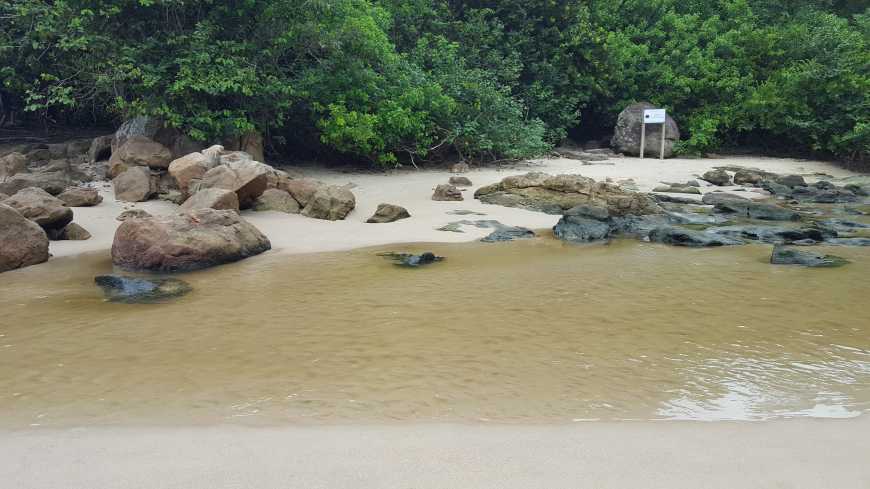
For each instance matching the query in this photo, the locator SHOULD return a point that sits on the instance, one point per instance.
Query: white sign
(654, 116)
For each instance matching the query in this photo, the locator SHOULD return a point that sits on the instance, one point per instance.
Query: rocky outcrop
(557, 194)
(588, 222)
(774, 234)
(784, 255)
(388, 213)
(137, 290)
(186, 241)
(24, 243)
(212, 198)
(134, 185)
(274, 199)
(718, 177)
(80, 197)
(626, 134)
(447, 193)
(41, 207)
(331, 203)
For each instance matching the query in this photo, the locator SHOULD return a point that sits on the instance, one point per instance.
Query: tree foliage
(395, 81)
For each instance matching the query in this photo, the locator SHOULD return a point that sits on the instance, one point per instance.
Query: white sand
(413, 190)
(812, 454)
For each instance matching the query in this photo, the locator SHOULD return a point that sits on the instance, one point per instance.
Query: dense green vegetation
(397, 81)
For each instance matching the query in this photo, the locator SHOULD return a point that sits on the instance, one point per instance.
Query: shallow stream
(528, 331)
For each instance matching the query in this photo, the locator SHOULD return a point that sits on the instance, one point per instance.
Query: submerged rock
(676, 236)
(411, 260)
(134, 290)
(581, 229)
(783, 255)
(775, 234)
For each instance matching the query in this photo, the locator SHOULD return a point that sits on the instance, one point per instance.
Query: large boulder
(557, 194)
(212, 198)
(134, 185)
(302, 189)
(141, 151)
(186, 241)
(81, 197)
(11, 164)
(626, 134)
(388, 213)
(247, 178)
(53, 182)
(190, 167)
(24, 243)
(41, 207)
(331, 202)
(274, 199)
(175, 140)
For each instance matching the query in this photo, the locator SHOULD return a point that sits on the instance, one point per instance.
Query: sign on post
(653, 116)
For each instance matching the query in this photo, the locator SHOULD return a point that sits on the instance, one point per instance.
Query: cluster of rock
(594, 211)
(31, 217)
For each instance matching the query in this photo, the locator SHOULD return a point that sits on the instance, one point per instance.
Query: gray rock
(460, 181)
(714, 198)
(331, 203)
(53, 182)
(774, 234)
(388, 213)
(684, 237)
(580, 229)
(790, 180)
(783, 255)
(677, 189)
(12, 164)
(758, 210)
(674, 199)
(717, 177)
(411, 260)
(81, 197)
(136, 290)
(626, 134)
(747, 177)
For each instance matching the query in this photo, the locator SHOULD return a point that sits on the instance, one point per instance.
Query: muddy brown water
(529, 331)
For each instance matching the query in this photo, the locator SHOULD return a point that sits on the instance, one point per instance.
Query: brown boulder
(248, 179)
(70, 232)
(187, 168)
(212, 198)
(141, 151)
(389, 213)
(331, 202)
(460, 181)
(186, 241)
(24, 243)
(134, 185)
(80, 197)
(40, 207)
(274, 199)
(11, 164)
(53, 182)
(446, 192)
(302, 189)
(557, 194)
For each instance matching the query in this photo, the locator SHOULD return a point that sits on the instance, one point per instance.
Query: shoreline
(799, 453)
(412, 189)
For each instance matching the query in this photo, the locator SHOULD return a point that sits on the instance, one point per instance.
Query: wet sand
(790, 454)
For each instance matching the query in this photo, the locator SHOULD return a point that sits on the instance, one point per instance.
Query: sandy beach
(792, 453)
(789, 454)
(412, 189)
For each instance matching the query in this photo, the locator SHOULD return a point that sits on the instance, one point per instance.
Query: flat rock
(684, 237)
(677, 189)
(388, 213)
(137, 290)
(783, 255)
(81, 197)
(186, 241)
(757, 210)
(24, 242)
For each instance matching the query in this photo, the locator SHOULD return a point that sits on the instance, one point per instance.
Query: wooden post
(664, 129)
(642, 137)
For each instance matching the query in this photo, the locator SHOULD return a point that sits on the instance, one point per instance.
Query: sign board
(654, 116)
